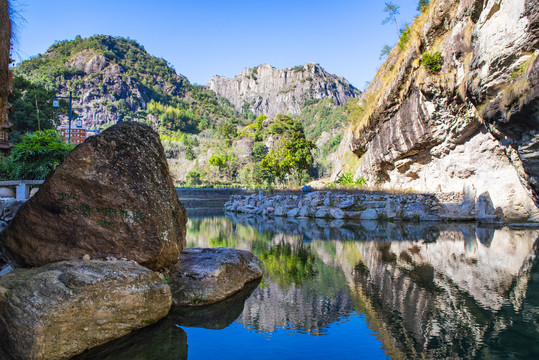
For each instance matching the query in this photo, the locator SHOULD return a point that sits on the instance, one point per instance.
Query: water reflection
(161, 341)
(434, 290)
(215, 316)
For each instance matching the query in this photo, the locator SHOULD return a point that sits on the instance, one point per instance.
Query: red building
(79, 133)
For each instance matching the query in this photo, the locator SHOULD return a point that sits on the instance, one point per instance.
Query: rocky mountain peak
(266, 90)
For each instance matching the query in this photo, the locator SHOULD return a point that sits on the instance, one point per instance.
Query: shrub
(259, 151)
(193, 178)
(432, 61)
(347, 179)
(404, 36)
(35, 156)
(422, 5)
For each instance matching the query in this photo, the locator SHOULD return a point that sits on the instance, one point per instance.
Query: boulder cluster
(93, 251)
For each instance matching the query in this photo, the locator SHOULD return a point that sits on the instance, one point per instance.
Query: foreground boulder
(206, 276)
(62, 309)
(111, 196)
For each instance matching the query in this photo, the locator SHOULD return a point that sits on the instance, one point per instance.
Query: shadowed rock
(206, 276)
(161, 341)
(62, 309)
(214, 316)
(111, 196)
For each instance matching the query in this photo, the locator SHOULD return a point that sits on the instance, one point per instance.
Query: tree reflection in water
(432, 291)
(427, 290)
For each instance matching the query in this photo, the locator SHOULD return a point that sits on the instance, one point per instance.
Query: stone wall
(370, 206)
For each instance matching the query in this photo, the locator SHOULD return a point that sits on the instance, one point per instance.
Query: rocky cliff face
(265, 90)
(471, 125)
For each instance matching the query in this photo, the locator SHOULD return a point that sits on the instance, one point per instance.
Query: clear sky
(202, 38)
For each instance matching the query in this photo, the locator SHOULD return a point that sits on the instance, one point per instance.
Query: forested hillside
(116, 79)
(207, 140)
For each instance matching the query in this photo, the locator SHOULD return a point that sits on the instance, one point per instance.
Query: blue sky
(202, 38)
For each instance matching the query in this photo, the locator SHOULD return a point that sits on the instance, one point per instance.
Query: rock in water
(111, 196)
(62, 309)
(206, 276)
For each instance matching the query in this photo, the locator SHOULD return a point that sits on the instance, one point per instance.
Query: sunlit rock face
(470, 127)
(265, 90)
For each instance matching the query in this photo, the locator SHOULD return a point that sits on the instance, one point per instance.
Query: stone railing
(22, 187)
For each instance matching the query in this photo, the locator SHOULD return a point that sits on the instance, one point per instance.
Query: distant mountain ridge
(265, 90)
(115, 79)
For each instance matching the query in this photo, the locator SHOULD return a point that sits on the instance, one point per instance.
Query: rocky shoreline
(81, 266)
(371, 206)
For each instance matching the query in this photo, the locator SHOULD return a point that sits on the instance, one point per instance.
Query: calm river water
(365, 290)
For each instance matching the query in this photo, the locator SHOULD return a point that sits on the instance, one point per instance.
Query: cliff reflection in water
(434, 290)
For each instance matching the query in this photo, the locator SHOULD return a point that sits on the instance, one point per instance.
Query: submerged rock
(206, 276)
(62, 309)
(111, 196)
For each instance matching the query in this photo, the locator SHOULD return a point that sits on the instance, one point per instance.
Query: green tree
(385, 51)
(293, 152)
(227, 130)
(299, 155)
(193, 178)
(35, 156)
(33, 109)
(259, 151)
(285, 125)
(392, 11)
(422, 5)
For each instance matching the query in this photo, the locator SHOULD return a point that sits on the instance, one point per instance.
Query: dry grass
(376, 94)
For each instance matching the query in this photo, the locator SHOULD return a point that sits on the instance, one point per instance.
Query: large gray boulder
(111, 196)
(62, 309)
(206, 276)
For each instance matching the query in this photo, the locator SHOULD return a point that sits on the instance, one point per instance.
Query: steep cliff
(265, 90)
(455, 107)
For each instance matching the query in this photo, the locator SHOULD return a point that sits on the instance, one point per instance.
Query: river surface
(365, 290)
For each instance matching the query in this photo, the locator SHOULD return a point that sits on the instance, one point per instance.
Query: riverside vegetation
(418, 125)
(206, 140)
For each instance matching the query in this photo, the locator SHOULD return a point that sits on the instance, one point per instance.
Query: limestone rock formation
(111, 197)
(62, 309)
(206, 276)
(268, 91)
(468, 122)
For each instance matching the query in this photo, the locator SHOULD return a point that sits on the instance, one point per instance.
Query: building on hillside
(79, 133)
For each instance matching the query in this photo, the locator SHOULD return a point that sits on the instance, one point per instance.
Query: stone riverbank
(370, 206)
